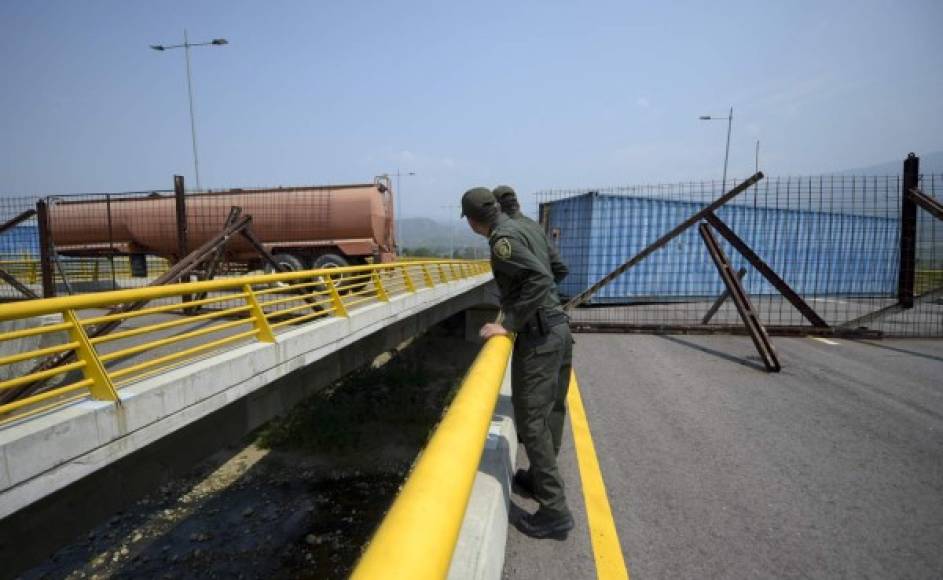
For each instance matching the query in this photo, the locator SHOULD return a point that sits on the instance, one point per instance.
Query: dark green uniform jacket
(557, 266)
(519, 260)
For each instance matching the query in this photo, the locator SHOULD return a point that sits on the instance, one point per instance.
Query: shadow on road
(900, 350)
(717, 353)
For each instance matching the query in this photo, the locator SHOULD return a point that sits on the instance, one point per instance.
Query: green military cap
(504, 191)
(507, 198)
(477, 203)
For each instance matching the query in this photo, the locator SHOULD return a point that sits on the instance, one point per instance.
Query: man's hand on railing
(492, 329)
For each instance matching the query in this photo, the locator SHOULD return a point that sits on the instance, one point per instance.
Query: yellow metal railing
(418, 535)
(170, 327)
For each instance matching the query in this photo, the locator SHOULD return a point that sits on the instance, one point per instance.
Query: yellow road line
(610, 563)
(825, 340)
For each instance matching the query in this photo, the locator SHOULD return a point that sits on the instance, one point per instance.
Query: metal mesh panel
(19, 247)
(834, 239)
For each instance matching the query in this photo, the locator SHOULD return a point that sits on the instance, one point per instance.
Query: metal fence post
(339, 308)
(427, 276)
(181, 204)
(102, 388)
(908, 233)
(407, 280)
(381, 291)
(258, 316)
(45, 249)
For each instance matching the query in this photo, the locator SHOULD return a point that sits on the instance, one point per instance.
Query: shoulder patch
(502, 248)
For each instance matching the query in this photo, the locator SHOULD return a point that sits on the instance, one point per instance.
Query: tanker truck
(304, 227)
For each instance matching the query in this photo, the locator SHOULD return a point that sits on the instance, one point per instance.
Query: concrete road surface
(832, 468)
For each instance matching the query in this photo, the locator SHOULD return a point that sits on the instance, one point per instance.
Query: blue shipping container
(817, 253)
(19, 241)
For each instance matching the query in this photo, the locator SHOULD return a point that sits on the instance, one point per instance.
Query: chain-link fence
(834, 240)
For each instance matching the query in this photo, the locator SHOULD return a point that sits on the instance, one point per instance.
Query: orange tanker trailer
(305, 227)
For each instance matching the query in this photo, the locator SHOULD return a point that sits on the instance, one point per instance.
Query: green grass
(925, 280)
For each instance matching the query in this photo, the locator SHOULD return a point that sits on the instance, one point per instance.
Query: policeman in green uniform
(507, 198)
(542, 350)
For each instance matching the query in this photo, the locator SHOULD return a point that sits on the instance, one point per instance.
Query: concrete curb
(479, 553)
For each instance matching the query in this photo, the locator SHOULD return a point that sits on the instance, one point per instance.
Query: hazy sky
(534, 94)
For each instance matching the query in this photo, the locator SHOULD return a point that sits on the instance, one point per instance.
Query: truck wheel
(330, 261)
(343, 285)
(287, 261)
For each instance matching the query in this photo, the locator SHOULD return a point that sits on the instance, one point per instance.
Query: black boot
(546, 524)
(524, 483)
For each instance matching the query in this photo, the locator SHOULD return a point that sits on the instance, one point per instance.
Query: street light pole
(399, 203)
(727, 153)
(729, 119)
(196, 161)
(396, 200)
(186, 49)
(451, 213)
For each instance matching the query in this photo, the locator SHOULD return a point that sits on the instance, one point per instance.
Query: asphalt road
(832, 468)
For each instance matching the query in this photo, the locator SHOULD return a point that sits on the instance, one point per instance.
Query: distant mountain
(429, 233)
(929, 163)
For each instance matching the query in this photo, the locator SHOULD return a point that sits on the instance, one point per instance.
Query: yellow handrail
(417, 537)
(29, 308)
(245, 300)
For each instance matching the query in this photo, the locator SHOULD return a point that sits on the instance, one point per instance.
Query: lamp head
(220, 41)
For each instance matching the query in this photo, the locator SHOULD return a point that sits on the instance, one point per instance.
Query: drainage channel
(300, 497)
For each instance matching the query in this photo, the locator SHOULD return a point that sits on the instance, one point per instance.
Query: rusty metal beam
(65, 279)
(23, 289)
(721, 299)
(17, 220)
(660, 242)
(210, 271)
(893, 308)
(268, 257)
(182, 268)
(926, 202)
(742, 300)
(766, 271)
(180, 200)
(45, 249)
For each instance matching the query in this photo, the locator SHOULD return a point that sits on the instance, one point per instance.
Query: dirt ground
(301, 498)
